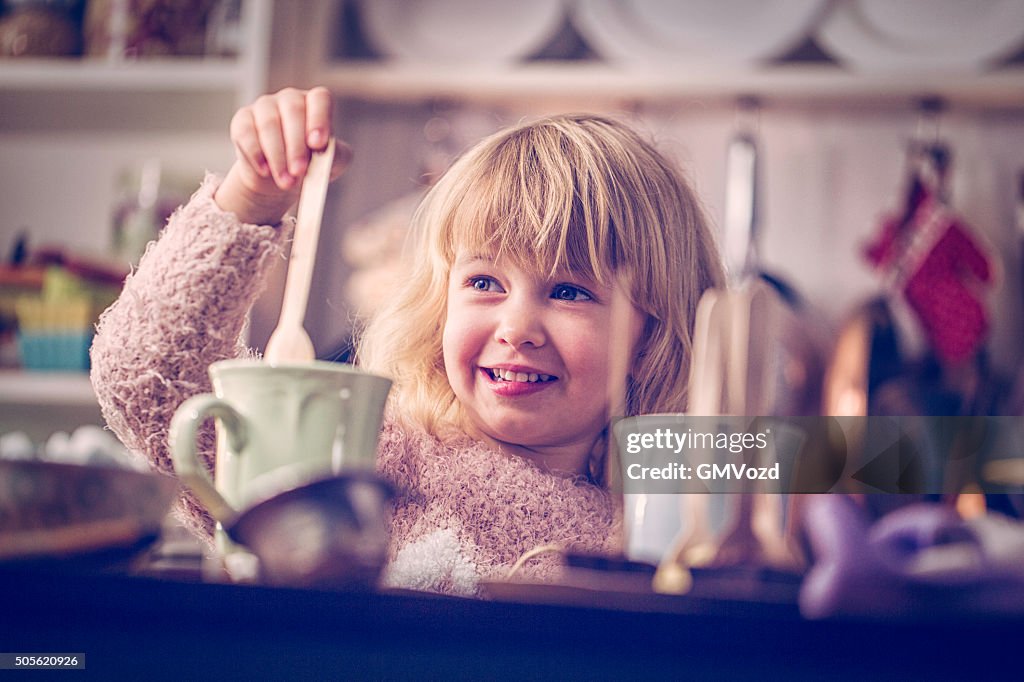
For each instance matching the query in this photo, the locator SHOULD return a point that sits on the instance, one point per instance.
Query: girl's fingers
(269, 132)
(291, 106)
(247, 145)
(319, 116)
(274, 135)
(319, 105)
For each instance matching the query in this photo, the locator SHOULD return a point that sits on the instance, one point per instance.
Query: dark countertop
(136, 627)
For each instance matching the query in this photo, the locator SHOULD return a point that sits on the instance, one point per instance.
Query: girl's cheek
(462, 331)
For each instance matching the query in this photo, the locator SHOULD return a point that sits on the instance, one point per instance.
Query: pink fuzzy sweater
(467, 512)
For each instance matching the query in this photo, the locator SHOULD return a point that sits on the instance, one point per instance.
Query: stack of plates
(647, 33)
(923, 35)
(866, 35)
(462, 31)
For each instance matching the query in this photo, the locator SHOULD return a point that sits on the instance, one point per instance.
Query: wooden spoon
(290, 342)
(705, 399)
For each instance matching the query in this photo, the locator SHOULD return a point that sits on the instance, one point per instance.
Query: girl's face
(529, 356)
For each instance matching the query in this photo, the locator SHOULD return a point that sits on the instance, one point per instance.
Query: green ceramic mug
(278, 427)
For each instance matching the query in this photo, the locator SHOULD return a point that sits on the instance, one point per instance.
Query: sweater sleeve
(181, 310)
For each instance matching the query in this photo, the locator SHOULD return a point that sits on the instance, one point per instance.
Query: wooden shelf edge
(46, 388)
(799, 83)
(181, 73)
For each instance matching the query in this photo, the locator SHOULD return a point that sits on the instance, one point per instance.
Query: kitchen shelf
(46, 388)
(825, 84)
(340, 56)
(243, 76)
(185, 74)
(39, 404)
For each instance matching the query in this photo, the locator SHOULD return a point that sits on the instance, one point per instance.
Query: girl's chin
(515, 434)
(529, 435)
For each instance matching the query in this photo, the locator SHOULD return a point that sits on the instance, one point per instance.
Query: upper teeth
(509, 375)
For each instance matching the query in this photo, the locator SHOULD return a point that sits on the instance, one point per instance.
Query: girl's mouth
(498, 374)
(510, 384)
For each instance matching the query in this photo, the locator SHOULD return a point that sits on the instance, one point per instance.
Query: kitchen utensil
(753, 355)
(754, 535)
(278, 427)
(723, 358)
(784, 371)
(50, 509)
(773, 375)
(289, 341)
(705, 399)
(329, 533)
(672, 530)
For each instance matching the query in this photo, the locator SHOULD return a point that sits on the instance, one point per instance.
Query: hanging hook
(930, 109)
(929, 156)
(928, 134)
(748, 114)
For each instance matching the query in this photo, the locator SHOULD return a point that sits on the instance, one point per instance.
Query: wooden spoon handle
(289, 342)
(307, 233)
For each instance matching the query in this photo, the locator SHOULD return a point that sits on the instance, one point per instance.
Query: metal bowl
(52, 509)
(330, 533)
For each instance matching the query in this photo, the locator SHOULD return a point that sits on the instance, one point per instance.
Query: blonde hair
(581, 192)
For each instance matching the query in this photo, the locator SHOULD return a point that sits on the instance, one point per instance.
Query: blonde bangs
(528, 202)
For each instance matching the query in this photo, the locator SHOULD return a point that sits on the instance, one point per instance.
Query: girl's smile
(527, 355)
(518, 380)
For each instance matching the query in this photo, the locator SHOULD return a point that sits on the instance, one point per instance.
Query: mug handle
(184, 427)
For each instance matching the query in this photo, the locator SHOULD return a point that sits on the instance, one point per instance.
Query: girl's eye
(481, 283)
(567, 292)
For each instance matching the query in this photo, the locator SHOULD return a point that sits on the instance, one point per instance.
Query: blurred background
(112, 110)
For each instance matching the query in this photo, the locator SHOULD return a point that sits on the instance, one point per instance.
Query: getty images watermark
(915, 455)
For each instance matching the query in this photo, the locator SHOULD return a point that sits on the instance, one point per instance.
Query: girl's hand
(274, 138)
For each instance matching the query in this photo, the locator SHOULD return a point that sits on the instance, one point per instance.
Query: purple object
(920, 560)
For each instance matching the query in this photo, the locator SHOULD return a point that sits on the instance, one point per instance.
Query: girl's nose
(519, 325)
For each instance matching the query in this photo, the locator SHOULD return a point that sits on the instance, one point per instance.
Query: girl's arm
(185, 306)
(181, 310)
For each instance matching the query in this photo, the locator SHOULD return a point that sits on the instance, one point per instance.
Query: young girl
(557, 268)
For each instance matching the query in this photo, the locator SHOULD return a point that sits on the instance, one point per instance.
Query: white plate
(460, 30)
(653, 32)
(614, 33)
(729, 30)
(922, 35)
